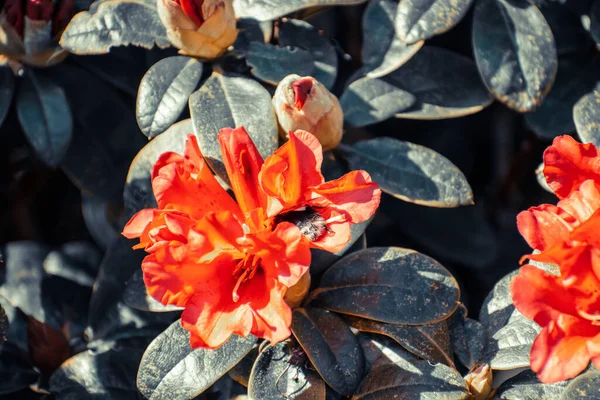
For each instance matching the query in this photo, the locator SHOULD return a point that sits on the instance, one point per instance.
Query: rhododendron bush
(300, 199)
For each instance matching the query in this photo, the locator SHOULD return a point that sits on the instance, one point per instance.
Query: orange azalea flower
(229, 264)
(567, 306)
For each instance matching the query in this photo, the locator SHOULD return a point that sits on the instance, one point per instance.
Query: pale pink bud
(304, 103)
(199, 28)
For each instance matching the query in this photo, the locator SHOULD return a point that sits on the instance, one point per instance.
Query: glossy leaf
(526, 386)
(509, 347)
(250, 30)
(380, 350)
(410, 172)
(170, 368)
(321, 259)
(45, 116)
(136, 296)
(418, 380)
(75, 261)
(515, 52)
(576, 77)
(303, 35)
(389, 284)
(102, 147)
(4, 326)
(240, 373)
(383, 51)
(429, 342)
(138, 192)
(497, 307)
(7, 90)
(444, 83)
(584, 387)
(367, 101)
(273, 63)
(422, 19)
(265, 10)
(229, 101)
(164, 92)
(111, 23)
(278, 373)
(586, 114)
(467, 337)
(108, 375)
(570, 35)
(100, 220)
(331, 347)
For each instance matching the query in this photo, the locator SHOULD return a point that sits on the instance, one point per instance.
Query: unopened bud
(479, 381)
(199, 28)
(303, 103)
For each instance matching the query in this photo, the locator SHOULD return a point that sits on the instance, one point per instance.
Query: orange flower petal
(339, 231)
(556, 356)
(242, 162)
(288, 173)
(353, 193)
(187, 184)
(545, 225)
(568, 163)
(137, 224)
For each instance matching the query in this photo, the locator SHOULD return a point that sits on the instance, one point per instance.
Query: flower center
(244, 270)
(308, 220)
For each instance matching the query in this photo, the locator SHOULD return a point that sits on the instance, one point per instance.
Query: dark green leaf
(279, 373)
(383, 51)
(105, 136)
(515, 52)
(585, 387)
(251, 30)
(229, 101)
(331, 347)
(418, 380)
(586, 114)
(170, 368)
(467, 336)
(429, 342)
(595, 21)
(497, 306)
(410, 172)
(273, 63)
(16, 373)
(108, 375)
(321, 259)
(136, 296)
(164, 93)
(380, 350)
(138, 192)
(241, 371)
(575, 78)
(526, 386)
(367, 101)
(303, 35)
(265, 10)
(111, 23)
(7, 90)
(389, 284)
(75, 261)
(45, 116)
(100, 220)
(444, 83)
(422, 19)
(570, 35)
(509, 347)
(17, 328)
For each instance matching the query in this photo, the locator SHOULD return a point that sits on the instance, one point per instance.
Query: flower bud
(30, 31)
(303, 103)
(199, 28)
(295, 295)
(479, 381)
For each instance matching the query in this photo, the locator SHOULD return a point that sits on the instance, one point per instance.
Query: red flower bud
(302, 88)
(39, 10)
(193, 9)
(14, 14)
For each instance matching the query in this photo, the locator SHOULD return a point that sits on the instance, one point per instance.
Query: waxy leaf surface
(170, 368)
(265, 10)
(584, 387)
(164, 93)
(586, 114)
(515, 52)
(467, 337)
(410, 172)
(389, 284)
(110, 23)
(526, 385)
(273, 63)
(331, 347)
